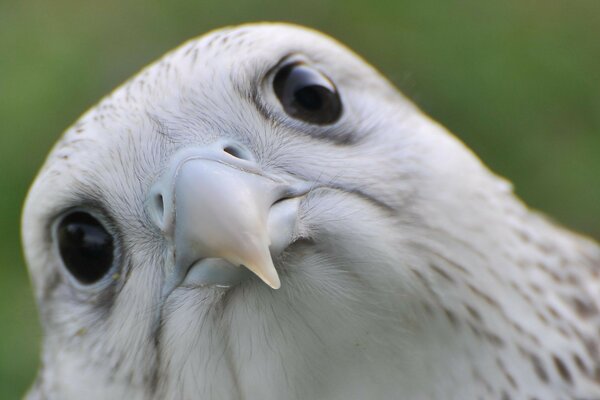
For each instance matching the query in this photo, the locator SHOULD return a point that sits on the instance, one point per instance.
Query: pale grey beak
(220, 212)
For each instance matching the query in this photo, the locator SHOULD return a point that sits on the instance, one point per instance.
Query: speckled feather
(422, 276)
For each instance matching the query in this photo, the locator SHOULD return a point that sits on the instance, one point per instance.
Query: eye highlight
(85, 246)
(306, 94)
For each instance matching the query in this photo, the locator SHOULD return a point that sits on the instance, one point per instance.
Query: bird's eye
(307, 95)
(86, 248)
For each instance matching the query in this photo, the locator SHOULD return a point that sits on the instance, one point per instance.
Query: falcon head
(260, 215)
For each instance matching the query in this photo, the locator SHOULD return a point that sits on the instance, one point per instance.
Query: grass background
(517, 80)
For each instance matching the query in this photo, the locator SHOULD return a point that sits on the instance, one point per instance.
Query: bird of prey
(261, 215)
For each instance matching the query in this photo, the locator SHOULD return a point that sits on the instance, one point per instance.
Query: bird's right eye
(85, 246)
(307, 94)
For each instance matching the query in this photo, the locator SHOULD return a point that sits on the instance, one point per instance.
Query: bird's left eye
(306, 94)
(85, 246)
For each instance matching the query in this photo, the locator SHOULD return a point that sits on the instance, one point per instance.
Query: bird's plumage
(414, 273)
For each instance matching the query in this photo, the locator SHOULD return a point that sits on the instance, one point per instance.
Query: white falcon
(261, 215)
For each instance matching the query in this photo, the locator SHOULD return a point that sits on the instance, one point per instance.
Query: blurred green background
(517, 80)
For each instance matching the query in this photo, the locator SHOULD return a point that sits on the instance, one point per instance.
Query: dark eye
(86, 248)
(307, 94)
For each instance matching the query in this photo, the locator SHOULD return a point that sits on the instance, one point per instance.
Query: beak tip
(266, 272)
(275, 285)
(272, 279)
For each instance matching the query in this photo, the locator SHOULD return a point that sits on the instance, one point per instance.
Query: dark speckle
(511, 380)
(451, 317)
(494, 339)
(553, 312)
(583, 308)
(478, 292)
(562, 369)
(538, 367)
(442, 273)
(474, 313)
(579, 363)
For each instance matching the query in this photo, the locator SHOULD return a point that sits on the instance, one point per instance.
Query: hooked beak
(220, 212)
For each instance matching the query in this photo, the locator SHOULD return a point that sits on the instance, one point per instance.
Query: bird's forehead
(205, 88)
(209, 81)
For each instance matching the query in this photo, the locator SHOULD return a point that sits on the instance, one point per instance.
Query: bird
(260, 214)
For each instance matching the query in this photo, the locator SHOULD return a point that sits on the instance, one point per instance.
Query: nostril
(233, 151)
(159, 209)
(238, 151)
(159, 206)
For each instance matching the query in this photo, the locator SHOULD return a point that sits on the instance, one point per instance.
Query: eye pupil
(306, 94)
(85, 247)
(310, 98)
